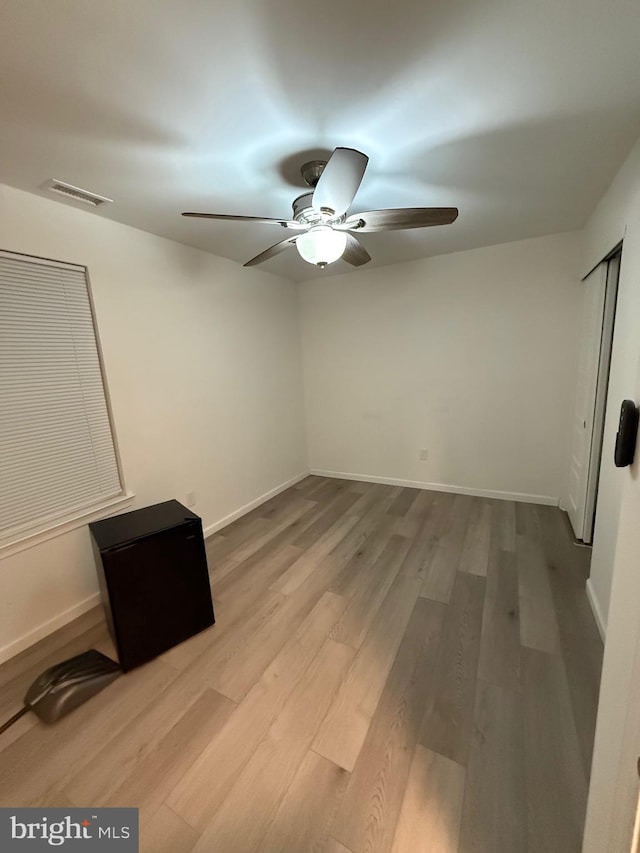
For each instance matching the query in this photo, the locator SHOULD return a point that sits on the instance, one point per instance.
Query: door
(590, 338)
(600, 406)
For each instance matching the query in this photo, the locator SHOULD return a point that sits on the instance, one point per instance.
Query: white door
(590, 337)
(606, 343)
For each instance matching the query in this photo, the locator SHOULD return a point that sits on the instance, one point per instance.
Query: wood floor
(391, 670)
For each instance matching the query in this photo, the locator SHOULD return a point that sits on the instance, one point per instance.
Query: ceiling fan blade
(400, 218)
(355, 253)
(271, 251)
(339, 181)
(285, 223)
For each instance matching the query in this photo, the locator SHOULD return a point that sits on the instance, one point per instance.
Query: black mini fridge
(152, 568)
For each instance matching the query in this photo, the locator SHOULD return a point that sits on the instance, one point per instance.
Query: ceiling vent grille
(76, 193)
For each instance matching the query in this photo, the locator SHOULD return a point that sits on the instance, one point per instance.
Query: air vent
(76, 193)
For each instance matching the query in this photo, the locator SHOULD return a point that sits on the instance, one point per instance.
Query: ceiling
(517, 112)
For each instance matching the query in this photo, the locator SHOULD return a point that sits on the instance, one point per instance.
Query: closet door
(590, 341)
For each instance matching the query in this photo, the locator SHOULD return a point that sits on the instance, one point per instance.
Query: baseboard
(522, 497)
(595, 608)
(210, 529)
(32, 637)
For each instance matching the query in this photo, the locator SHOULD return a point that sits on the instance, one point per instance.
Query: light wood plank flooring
(390, 670)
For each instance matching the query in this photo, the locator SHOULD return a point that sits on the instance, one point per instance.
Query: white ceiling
(517, 112)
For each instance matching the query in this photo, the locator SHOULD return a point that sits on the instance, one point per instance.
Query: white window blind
(57, 455)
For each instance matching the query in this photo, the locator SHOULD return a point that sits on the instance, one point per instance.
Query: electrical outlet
(423, 455)
(190, 499)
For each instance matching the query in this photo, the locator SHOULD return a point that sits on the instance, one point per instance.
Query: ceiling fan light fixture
(323, 215)
(321, 245)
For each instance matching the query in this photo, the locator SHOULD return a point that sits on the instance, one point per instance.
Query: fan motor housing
(306, 214)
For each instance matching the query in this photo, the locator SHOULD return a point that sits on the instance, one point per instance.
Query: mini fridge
(153, 574)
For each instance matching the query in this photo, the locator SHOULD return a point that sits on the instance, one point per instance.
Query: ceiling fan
(323, 230)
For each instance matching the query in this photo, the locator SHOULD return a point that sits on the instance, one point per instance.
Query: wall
(613, 220)
(203, 367)
(615, 562)
(471, 356)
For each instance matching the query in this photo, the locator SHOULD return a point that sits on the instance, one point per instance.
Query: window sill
(59, 528)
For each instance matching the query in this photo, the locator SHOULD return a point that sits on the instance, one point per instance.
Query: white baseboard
(210, 529)
(32, 637)
(522, 497)
(597, 612)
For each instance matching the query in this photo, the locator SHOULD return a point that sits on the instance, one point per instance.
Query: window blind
(57, 454)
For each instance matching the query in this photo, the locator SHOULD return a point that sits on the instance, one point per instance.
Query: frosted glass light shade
(321, 245)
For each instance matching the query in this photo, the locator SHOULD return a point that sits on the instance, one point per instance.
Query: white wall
(471, 356)
(615, 564)
(613, 795)
(203, 366)
(615, 218)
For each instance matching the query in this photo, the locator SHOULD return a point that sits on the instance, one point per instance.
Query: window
(57, 452)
